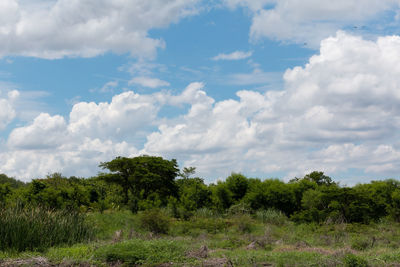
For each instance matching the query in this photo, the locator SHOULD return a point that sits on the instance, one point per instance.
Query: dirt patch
(217, 262)
(36, 261)
(201, 253)
(255, 245)
(323, 251)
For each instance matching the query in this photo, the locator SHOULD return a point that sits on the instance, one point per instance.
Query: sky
(267, 88)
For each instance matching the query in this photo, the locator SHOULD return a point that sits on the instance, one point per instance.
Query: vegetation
(143, 210)
(26, 228)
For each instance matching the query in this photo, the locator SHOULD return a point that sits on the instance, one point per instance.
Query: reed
(38, 228)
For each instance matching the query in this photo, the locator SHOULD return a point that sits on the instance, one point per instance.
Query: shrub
(154, 221)
(351, 260)
(25, 228)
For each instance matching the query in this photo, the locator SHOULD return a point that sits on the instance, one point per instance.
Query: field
(266, 238)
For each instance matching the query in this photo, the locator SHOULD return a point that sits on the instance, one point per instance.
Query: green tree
(237, 184)
(14, 183)
(142, 176)
(320, 178)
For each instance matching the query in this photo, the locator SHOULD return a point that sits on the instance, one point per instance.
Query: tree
(320, 178)
(13, 183)
(237, 184)
(142, 176)
(187, 172)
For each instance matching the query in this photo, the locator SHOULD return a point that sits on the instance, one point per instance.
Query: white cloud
(237, 55)
(44, 132)
(336, 113)
(126, 112)
(7, 110)
(148, 82)
(310, 21)
(95, 132)
(340, 111)
(79, 158)
(86, 28)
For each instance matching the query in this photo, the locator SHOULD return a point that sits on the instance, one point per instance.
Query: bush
(154, 221)
(272, 216)
(38, 228)
(351, 260)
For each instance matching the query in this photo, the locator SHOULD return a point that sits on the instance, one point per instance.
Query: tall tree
(142, 176)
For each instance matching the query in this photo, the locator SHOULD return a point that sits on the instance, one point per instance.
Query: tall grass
(36, 229)
(272, 216)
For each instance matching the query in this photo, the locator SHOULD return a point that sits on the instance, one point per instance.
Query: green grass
(137, 251)
(75, 253)
(107, 223)
(278, 242)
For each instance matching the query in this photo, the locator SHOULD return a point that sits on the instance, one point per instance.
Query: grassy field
(263, 239)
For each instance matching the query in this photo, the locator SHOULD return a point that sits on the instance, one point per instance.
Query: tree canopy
(142, 176)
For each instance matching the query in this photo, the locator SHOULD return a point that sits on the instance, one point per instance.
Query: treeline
(146, 182)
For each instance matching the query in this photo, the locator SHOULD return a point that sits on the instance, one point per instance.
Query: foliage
(238, 185)
(193, 194)
(12, 182)
(142, 176)
(145, 183)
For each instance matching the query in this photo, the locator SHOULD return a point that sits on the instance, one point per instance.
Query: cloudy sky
(264, 87)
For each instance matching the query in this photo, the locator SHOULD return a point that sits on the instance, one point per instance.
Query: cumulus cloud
(310, 21)
(86, 28)
(338, 112)
(94, 132)
(237, 55)
(79, 157)
(44, 132)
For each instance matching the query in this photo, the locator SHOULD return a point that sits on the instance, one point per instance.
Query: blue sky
(264, 87)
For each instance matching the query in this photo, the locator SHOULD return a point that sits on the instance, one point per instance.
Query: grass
(137, 251)
(242, 239)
